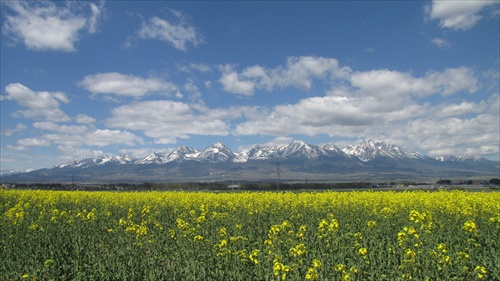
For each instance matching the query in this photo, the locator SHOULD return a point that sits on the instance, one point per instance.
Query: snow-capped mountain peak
(85, 162)
(350, 158)
(217, 152)
(369, 150)
(460, 158)
(300, 150)
(182, 153)
(153, 158)
(14, 172)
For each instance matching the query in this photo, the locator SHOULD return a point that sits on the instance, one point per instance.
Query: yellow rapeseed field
(69, 235)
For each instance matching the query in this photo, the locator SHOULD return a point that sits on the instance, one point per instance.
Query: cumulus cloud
(84, 119)
(106, 137)
(43, 25)
(395, 84)
(231, 83)
(84, 135)
(96, 12)
(332, 115)
(298, 72)
(69, 153)
(189, 68)
(165, 120)
(67, 129)
(178, 31)
(457, 15)
(93, 137)
(386, 104)
(441, 43)
(39, 104)
(19, 128)
(126, 85)
(24, 144)
(458, 134)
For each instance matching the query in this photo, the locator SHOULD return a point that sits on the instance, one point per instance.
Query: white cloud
(44, 104)
(457, 110)
(84, 119)
(390, 105)
(67, 129)
(19, 128)
(165, 121)
(42, 25)
(24, 144)
(279, 141)
(298, 72)
(69, 153)
(93, 137)
(232, 83)
(200, 67)
(395, 84)
(126, 85)
(106, 137)
(95, 15)
(332, 115)
(457, 136)
(457, 15)
(84, 135)
(140, 152)
(177, 32)
(453, 80)
(441, 43)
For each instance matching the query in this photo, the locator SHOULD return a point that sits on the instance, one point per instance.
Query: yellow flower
(469, 226)
(171, 234)
(198, 238)
(481, 271)
(312, 274)
(222, 231)
(407, 276)
(141, 230)
(317, 263)
(339, 267)
(409, 255)
(268, 243)
(362, 251)
(298, 250)
(253, 256)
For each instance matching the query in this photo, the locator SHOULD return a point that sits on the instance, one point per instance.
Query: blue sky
(93, 78)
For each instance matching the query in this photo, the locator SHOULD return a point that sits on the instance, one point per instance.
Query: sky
(91, 78)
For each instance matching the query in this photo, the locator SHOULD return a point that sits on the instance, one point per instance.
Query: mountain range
(368, 160)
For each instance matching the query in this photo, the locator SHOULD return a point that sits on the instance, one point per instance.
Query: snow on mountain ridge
(459, 158)
(217, 152)
(14, 172)
(369, 150)
(85, 162)
(299, 149)
(365, 151)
